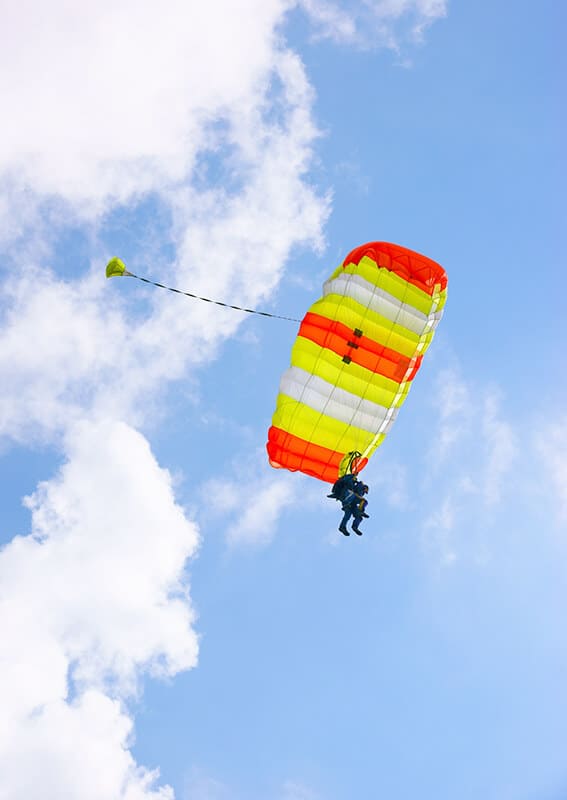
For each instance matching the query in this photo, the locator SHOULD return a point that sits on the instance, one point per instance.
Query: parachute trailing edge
(357, 352)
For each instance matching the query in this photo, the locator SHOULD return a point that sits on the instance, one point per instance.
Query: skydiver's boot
(357, 531)
(344, 531)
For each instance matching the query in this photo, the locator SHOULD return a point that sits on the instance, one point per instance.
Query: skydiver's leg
(343, 526)
(356, 522)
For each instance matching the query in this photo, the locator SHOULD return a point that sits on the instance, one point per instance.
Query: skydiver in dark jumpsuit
(342, 486)
(354, 505)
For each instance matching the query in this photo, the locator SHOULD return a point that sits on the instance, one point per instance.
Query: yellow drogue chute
(116, 268)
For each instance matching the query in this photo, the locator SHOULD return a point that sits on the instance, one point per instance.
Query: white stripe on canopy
(381, 302)
(322, 396)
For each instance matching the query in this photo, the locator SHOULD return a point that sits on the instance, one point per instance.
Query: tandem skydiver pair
(350, 492)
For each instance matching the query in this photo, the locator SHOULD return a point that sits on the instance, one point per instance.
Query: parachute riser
(351, 464)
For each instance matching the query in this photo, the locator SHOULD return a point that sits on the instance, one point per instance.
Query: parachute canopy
(357, 352)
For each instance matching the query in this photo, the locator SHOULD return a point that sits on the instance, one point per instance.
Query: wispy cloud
(500, 448)
(331, 20)
(473, 454)
(438, 533)
(454, 408)
(384, 23)
(260, 513)
(390, 479)
(252, 503)
(469, 432)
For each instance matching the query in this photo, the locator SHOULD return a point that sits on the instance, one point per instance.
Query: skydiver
(354, 505)
(343, 485)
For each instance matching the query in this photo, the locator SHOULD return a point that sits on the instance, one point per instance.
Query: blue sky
(179, 620)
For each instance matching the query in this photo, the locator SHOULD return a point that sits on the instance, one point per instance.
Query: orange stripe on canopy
(361, 350)
(293, 453)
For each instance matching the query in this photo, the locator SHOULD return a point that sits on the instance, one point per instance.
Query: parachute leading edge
(357, 352)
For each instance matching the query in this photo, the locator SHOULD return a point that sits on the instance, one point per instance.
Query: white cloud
(69, 347)
(111, 100)
(374, 23)
(91, 599)
(78, 751)
(58, 344)
(330, 19)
